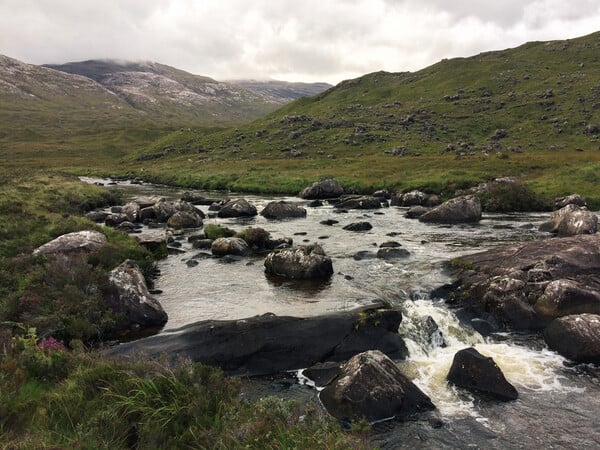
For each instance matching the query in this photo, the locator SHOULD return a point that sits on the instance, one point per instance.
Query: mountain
(282, 91)
(167, 93)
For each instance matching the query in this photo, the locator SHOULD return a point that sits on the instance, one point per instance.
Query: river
(559, 405)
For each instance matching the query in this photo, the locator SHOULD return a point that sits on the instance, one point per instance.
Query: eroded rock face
(570, 221)
(237, 208)
(371, 385)
(576, 337)
(282, 210)
(79, 242)
(328, 188)
(230, 246)
(475, 372)
(457, 210)
(130, 297)
(304, 262)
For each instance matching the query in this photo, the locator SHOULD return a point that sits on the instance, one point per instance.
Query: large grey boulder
(564, 297)
(463, 209)
(269, 344)
(478, 373)
(79, 242)
(576, 337)
(372, 386)
(230, 246)
(304, 262)
(237, 208)
(570, 221)
(129, 296)
(359, 202)
(185, 219)
(282, 210)
(328, 188)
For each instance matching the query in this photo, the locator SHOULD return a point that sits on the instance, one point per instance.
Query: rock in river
(230, 246)
(282, 210)
(303, 262)
(237, 208)
(457, 210)
(571, 220)
(576, 337)
(359, 202)
(269, 344)
(372, 386)
(328, 188)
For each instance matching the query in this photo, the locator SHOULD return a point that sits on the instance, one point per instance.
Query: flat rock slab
(79, 242)
(269, 344)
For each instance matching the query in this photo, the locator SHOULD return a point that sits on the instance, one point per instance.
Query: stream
(558, 405)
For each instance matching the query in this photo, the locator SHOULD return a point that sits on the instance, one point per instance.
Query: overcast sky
(296, 40)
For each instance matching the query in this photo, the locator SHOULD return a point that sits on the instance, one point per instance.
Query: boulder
(480, 374)
(358, 226)
(564, 297)
(371, 386)
(392, 253)
(574, 199)
(383, 194)
(152, 242)
(268, 344)
(328, 188)
(147, 202)
(462, 209)
(304, 262)
(147, 213)
(508, 281)
(230, 246)
(184, 219)
(96, 216)
(114, 219)
(359, 202)
(576, 337)
(412, 198)
(163, 210)
(79, 242)
(571, 220)
(129, 296)
(414, 212)
(132, 211)
(282, 210)
(237, 208)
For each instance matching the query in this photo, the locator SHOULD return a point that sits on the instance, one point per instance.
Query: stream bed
(558, 405)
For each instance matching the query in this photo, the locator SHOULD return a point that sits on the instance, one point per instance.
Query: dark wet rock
(127, 227)
(279, 243)
(372, 386)
(77, 243)
(571, 220)
(97, 216)
(270, 344)
(383, 193)
(564, 297)
(391, 244)
(480, 374)
(132, 211)
(196, 236)
(304, 262)
(147, 213)
(192, 263)
(508, 281)
(462, 209)
(315, 204)
(197, 199)
(364, 254)
(576, 337)
(388, 253)
(282, 210)
(414, 212)
(230, 246)
(230, 259)
(237, 208)
(175, 250)
(116, 209)
(329, 222)
(358, 226)
(185, 219)
(431, 332)
(323, 373)
(574, 199)
(328, 188)
(203, 243)
(202, 255)
(359, 202)
(163, 210)
(129, 296)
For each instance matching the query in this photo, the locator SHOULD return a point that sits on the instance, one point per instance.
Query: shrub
(510, 197)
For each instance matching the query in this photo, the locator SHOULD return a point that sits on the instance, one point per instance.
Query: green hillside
(532, 111)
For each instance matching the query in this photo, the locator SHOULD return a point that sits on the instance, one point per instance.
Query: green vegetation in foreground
(54, 398)
(544, 95)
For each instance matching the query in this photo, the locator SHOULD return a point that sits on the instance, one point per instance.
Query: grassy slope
(543, 94)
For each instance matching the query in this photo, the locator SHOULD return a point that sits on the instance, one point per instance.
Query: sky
(293, 40)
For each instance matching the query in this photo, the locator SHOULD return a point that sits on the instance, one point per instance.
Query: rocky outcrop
(328, 188)
(359, 202)
(463, 209)
(571, 220)
(282, 210)
(237, 208)
(185, 219)
(475, 372)
(372, 386)
(269, 344)
(230, 246)
(79, 242)
(129, 297)
(576, 337)
(520, 285)
(304, 262)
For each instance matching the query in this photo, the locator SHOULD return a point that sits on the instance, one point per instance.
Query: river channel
(558, 405)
